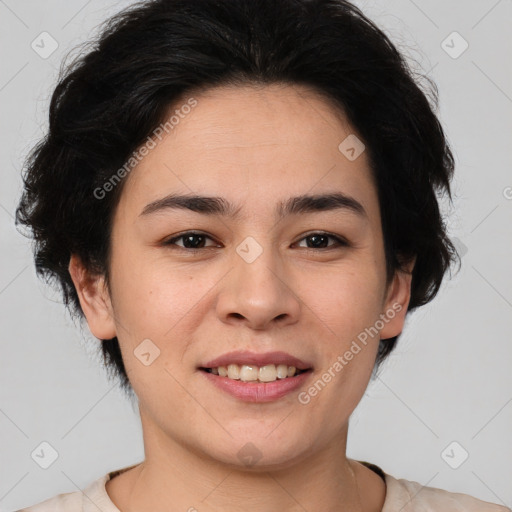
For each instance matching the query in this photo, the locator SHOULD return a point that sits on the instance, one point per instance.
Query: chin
(260, 452)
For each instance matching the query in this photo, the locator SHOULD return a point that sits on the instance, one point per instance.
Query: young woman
(240, 199)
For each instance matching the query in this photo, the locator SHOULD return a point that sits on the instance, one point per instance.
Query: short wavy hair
(146, 58)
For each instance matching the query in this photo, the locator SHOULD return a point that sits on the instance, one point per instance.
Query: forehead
(257, 144)
(253, 117)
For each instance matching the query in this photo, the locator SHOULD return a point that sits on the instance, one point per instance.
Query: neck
(176, 474)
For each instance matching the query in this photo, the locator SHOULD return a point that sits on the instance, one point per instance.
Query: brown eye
(321, 241)
(191, 240)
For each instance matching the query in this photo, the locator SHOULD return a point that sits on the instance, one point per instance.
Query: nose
(258, 293)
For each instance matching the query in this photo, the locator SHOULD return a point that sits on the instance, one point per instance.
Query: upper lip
(241, 357)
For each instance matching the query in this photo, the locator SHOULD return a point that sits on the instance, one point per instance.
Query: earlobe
(397, 301)
(94, 299)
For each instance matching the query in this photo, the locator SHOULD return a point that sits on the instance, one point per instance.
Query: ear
(397, 301)
(94, 299)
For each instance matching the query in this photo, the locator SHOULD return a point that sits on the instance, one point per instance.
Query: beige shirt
(401, 495)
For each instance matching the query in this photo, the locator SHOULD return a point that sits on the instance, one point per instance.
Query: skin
(254, 147)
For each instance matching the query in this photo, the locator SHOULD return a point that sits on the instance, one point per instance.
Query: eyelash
(340, 242)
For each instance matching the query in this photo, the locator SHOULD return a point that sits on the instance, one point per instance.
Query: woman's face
(256, 281)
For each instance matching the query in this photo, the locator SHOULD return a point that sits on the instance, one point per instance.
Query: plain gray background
(450, 378)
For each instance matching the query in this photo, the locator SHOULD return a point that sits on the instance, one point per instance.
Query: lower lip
(258, 391)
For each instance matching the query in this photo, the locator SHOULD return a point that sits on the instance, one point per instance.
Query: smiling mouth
(252, 373)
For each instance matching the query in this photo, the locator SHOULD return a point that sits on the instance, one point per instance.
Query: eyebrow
(294, 205)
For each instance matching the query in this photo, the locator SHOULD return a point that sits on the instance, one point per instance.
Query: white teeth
(282, 371)
(251, 373)
(269, 373)
(246, 373)
(233, 371)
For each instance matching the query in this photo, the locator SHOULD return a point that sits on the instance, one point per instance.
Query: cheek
(165, 304)
(154, 311)
(345, 314)
(150, 298)
(346, 300)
